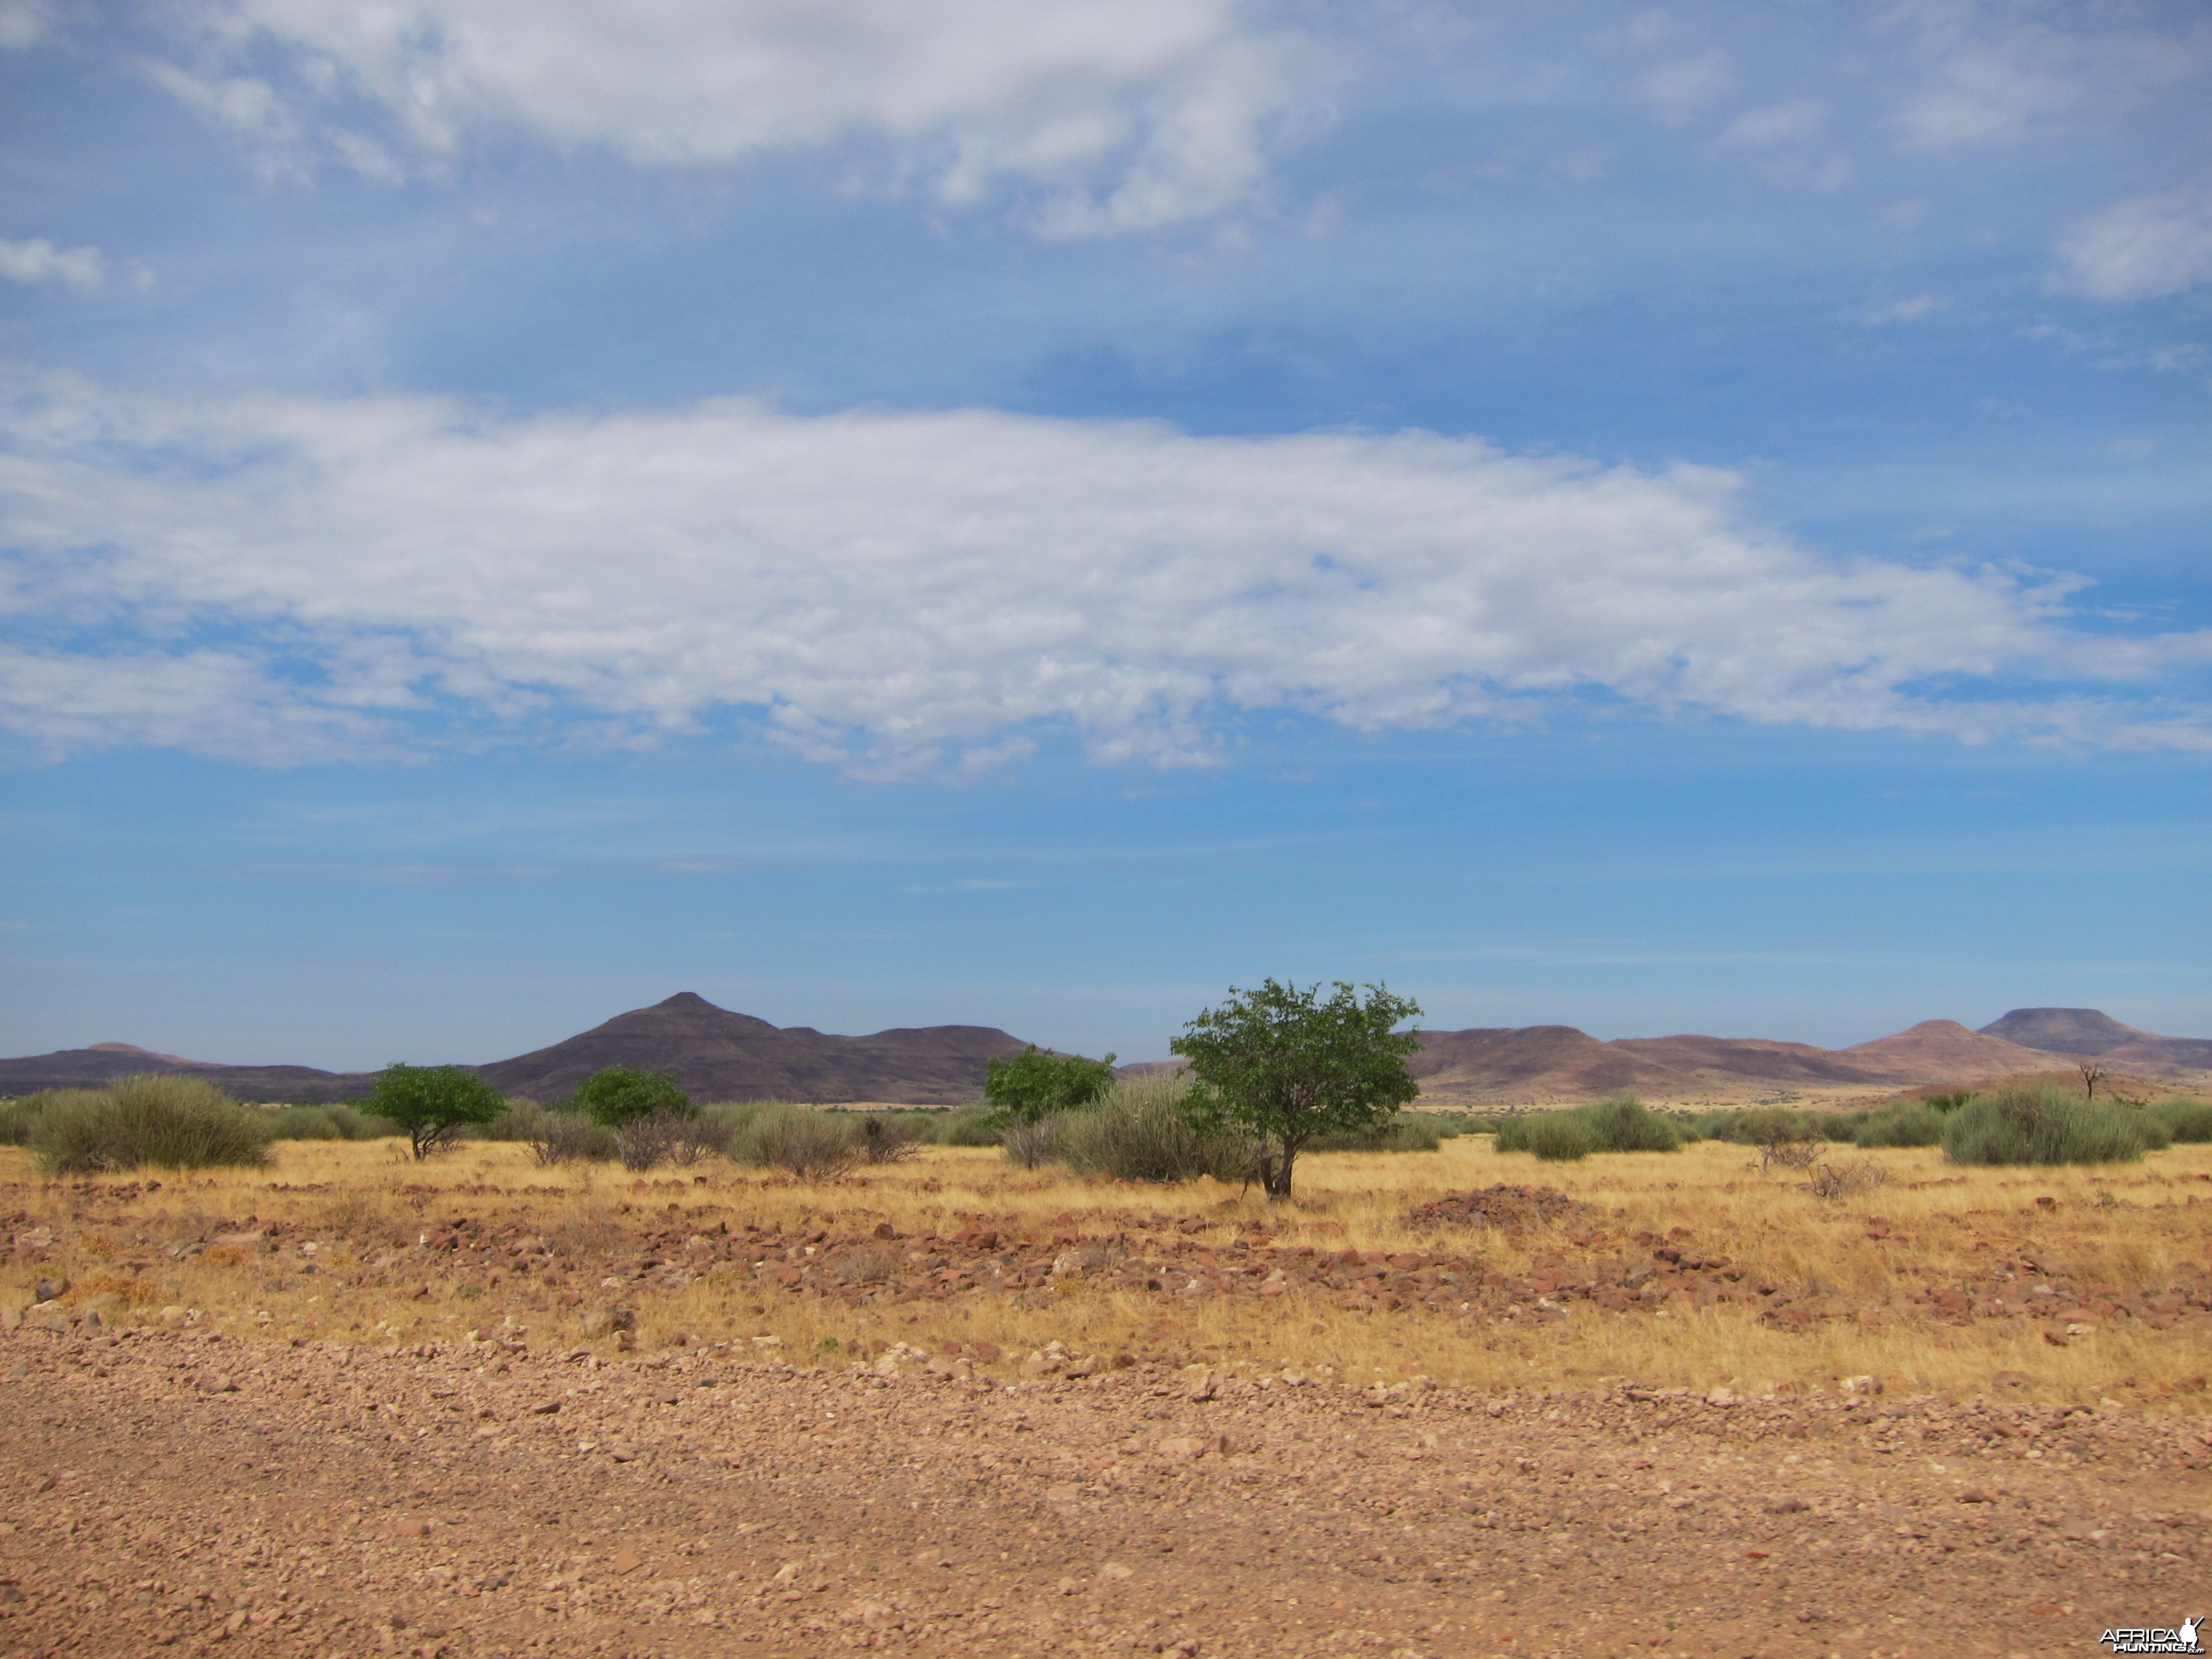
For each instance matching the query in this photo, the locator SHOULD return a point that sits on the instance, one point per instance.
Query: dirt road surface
(184, 1493)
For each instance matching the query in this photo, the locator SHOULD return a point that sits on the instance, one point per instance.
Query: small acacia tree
(1284, 1065)
(616, 1095)
(1036, 1083)
(433, 1103)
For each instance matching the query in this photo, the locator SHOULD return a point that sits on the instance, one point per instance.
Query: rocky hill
(715, 1055)
(1545, 1064)
(2087, 1031)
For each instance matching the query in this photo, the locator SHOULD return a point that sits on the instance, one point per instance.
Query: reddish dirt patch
(340, 1502)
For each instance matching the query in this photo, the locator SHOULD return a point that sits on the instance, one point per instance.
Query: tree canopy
(1284, 1065)
(616, 1095)
(1036, 1083)
(433, 1102)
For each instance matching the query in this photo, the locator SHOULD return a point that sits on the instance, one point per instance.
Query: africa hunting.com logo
(2183, 1640)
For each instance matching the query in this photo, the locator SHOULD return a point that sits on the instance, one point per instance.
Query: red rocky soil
(201, 1494)
(856, 1259)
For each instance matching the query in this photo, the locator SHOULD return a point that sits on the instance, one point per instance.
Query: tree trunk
(1277, 1178)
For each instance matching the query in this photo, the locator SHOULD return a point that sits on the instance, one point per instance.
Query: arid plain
(1443, 1403)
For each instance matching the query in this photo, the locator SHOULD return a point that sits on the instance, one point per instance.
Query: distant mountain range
(712, 1054)
(1538, 1063)
(716, 1054)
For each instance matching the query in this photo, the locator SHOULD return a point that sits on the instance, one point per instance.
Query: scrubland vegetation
(825, 1226)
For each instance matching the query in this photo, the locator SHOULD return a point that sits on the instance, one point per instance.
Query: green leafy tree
(1036, 1083)
(1283, 1065)
(616, 1095)
(433, 1103)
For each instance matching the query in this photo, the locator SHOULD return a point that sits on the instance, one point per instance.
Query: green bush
(518, 1120)
(2040, 1123)
(1144, 1131)
(1037, 1083)
(1763, 1126)
(2185, 1120)
(339, 1122)
(665, 1135)
(1402, 1134)
(966, 1126)
(1623, 1124)
(1908, 1123)
(561, 1137)
(19, 1117)
(173, 1123)
(615, 1094)
(1619, 1123)
(799, 1139)
(1557, 1137)
(1408, 1132)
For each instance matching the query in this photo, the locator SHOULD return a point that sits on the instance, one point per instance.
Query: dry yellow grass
(2123, 1230)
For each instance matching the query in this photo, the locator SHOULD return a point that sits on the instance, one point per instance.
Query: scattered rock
(50, 1290)
(605, 1322)
(1502, 1206)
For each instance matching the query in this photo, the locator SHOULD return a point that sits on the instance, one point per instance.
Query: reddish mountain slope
(1938, 1050)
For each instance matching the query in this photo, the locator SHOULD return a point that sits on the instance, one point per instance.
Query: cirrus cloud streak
(281, 578)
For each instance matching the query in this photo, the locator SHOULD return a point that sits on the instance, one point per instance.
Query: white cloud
(1998, 71)
(1909, 310)
(25, 22)
(222, 703)
(1678, 90)
(937, 591)
(2142, 248)
(39, 261)
(1145, 113)
(1775, 124)
(250, 109)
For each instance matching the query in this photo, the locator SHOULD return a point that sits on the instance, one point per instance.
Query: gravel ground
(186, 1491)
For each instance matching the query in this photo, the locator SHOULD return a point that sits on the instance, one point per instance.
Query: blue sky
(1026, 514)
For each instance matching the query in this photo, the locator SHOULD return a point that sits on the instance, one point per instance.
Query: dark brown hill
(93, 1067)
(2093, 1032)
(715, 1055)
(2064, 1030)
